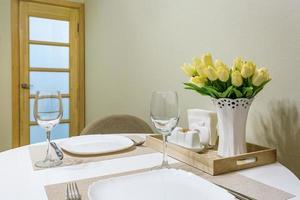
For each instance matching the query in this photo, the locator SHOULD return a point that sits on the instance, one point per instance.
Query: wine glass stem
(165, 159)
(48, 154)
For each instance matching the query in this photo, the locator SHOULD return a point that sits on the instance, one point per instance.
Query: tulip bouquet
(216, 79)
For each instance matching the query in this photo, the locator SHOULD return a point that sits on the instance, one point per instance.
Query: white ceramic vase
(232, 119)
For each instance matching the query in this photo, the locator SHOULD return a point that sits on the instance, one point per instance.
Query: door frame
(15, 52)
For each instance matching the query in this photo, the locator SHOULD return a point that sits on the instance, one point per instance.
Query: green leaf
(195, 87)
(198, 89)
(212, 91)
(217, 85)
(189, 88)
(202, 93)
(247, 91)
(191, 85)
(237, 93)
(227, 92)
(259, 88)
(257, 91)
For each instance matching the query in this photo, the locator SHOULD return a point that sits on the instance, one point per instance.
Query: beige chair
(117, 124)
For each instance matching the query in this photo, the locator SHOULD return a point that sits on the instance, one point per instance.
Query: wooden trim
(15, 54)
(74, 73)
(49, 43)
(24, 78)
(63, 3)
(44, 69)
(81, 100)
(48, 11)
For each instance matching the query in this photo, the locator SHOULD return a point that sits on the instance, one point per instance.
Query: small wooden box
(210, 162)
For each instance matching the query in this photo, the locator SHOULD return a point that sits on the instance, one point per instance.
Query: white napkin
(204, 134)
(206, 122)
(192, 138)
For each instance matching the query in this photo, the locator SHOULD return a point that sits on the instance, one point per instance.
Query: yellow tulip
(199, 80)
(248, 69)
(252, 64)
(189, 69)
(219, 63)
(223, 73)
(211, 74)
(236, 78)
(196, 61)
(207, 59)
(260, 76)
(199, 65)
(237, 64)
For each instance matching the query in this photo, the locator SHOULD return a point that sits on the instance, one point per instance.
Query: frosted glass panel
(65, 102)
(49, 30)
(37, 134)
(49, 81)
(48, 56)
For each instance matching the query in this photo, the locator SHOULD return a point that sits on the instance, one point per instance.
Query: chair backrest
(117, 124)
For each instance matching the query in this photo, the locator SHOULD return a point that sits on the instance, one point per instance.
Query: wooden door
(49, 61)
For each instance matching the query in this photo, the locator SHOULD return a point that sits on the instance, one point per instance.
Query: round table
(19, 181)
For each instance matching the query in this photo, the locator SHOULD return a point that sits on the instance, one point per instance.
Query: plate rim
(174, 170)
(96, 153)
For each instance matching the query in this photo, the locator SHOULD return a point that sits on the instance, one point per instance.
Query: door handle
(25, 86)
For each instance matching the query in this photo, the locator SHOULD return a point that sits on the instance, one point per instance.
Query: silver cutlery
(58, 151)
(236, 194)
(137, 143)
(72, 192)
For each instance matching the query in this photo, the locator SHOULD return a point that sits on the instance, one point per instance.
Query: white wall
(136, 46)
(5, 76)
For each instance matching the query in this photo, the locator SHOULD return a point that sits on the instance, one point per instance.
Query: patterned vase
(232, 119)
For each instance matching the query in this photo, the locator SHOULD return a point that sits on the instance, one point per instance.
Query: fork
(72, 192)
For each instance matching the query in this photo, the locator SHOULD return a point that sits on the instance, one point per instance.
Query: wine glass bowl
(48, 112)
(165, 126)
(164, 116)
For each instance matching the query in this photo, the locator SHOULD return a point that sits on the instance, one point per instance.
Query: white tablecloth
(19, 181)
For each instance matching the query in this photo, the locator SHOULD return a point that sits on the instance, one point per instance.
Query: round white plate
(164, 184)
(96, 144)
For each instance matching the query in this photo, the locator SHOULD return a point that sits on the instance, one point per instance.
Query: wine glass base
(164, 165)
(48, 163)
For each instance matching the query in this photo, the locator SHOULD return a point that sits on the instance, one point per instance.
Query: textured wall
(5, 76)
(136, 46)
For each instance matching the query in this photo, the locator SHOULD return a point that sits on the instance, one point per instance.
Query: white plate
(163, 184)
(96, 144)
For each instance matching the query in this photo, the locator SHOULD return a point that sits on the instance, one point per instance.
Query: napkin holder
(210, 162)
(198, 118)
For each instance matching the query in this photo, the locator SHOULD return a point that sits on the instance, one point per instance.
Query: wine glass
(48, 111)
(164, 116)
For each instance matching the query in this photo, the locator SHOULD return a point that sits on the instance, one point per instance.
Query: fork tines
(72, 192)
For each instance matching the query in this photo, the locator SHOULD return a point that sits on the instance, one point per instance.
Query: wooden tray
(213, 164)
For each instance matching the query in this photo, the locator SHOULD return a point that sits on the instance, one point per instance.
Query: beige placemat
(233, 181)
(37, 152)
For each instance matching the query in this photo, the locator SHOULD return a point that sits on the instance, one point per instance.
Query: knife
(236, 194)
(58, 151)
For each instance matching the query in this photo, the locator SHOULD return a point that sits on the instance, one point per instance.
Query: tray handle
(246, 161)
